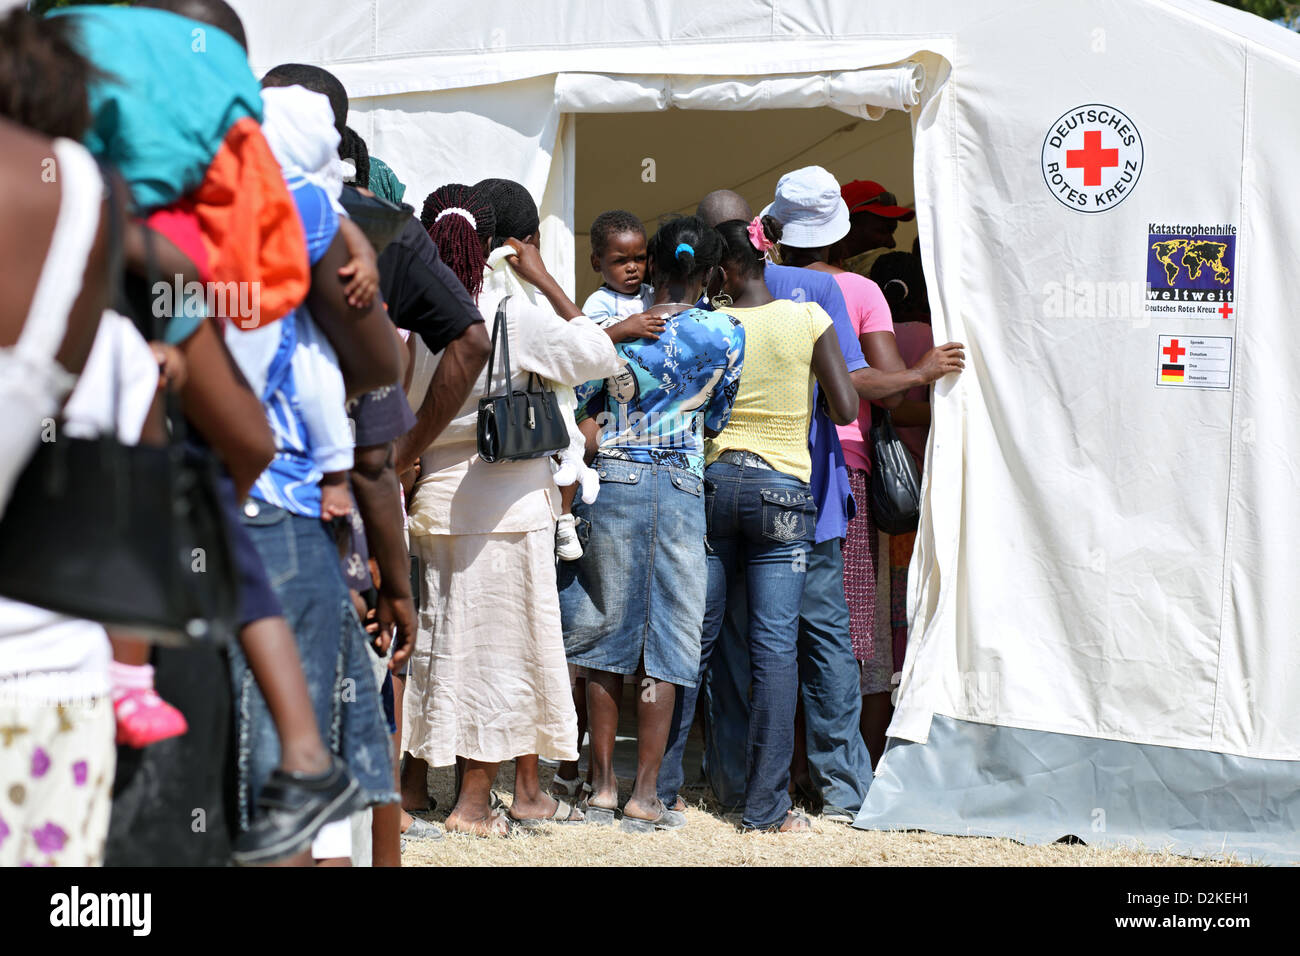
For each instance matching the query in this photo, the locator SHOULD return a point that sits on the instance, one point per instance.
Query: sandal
(598, 816)
(575, 789)
(422, 830)
(562, 814)
(667, 820)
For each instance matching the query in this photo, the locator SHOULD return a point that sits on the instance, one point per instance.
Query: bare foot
(794, 823)
(492, 825)
(604, 799)
(640, 810)
(542, 809)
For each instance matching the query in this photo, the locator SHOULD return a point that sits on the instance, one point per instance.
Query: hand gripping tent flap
(1102, 594)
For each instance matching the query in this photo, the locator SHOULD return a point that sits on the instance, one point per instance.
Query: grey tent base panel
(1037, 787)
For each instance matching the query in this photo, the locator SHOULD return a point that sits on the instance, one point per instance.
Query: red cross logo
(1092, 159)
(1173, 351)
(1225, 310)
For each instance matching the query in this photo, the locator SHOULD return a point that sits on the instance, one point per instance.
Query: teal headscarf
(384, 182)
(170, 91)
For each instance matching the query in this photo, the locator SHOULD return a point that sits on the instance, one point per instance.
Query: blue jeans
(838, 761)
(302, 563)
(760, 529)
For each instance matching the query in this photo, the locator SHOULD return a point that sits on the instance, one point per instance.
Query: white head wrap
(299, 127)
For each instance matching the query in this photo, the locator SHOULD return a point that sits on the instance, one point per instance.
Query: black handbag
(518, 424)
(895, 484)
(129, 536)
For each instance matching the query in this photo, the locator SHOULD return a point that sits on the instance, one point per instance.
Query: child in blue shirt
(618, 253)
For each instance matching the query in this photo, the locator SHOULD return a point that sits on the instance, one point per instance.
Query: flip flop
(598, 816)
(422, 830)
(667, 820)
(575, 789)
(561, 815)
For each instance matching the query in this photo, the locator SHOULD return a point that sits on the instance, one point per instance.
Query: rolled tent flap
(598, 93)
(863, 93)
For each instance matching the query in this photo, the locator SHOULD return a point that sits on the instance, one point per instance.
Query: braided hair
(741, 250)
(900, 279)
(460, 220)
(516, 213)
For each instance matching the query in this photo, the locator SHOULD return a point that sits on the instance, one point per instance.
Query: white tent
(1103, 603)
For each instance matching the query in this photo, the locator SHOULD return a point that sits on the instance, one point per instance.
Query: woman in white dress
(488, 680)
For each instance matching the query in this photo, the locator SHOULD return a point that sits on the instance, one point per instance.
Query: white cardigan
(459, 493)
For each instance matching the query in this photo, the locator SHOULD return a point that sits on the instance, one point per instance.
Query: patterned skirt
(860, 569)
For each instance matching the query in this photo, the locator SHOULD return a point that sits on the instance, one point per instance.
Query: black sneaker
(291, 810)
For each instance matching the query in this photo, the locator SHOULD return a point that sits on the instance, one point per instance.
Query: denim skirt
(638, 591)
(302, 563)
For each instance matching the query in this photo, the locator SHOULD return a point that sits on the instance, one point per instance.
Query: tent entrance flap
(867, 94)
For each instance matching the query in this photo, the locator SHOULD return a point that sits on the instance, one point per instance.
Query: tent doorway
(657, 164)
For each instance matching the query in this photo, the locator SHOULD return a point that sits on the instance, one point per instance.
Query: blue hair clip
(686, 246)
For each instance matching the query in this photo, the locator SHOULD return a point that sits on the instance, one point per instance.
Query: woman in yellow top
(760, 508)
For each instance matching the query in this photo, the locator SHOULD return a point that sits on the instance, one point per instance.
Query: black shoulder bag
(129, 536)
(518, 424)
(895, 485)
(381, 220)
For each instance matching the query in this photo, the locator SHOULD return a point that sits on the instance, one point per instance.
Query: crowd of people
(215, 268)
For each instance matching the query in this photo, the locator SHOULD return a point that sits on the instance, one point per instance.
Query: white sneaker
(566, 539)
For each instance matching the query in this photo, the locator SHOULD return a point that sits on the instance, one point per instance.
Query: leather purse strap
(501, 331)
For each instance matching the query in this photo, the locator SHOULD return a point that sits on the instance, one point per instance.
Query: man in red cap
(874, 215)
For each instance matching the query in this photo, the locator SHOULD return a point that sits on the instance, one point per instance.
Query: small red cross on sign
(1225, 310)
(1173, 351)
(1092, 159)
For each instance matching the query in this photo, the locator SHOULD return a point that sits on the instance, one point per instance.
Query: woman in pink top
(900, 279)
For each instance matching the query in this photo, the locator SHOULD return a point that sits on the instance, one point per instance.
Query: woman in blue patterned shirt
(633, 604)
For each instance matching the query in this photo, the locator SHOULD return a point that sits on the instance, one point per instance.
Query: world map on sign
(1193, 255)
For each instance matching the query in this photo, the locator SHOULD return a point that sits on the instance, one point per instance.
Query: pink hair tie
(757, 237)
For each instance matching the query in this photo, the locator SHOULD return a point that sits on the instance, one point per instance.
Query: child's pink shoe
(144, 718)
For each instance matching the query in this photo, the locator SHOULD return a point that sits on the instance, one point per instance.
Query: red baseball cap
(862, 195)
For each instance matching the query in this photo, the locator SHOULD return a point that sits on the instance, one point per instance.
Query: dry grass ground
(712, 839)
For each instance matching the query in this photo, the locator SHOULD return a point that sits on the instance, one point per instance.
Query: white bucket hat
(810, 209)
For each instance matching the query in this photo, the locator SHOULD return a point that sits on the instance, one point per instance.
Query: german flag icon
(1171, 373)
